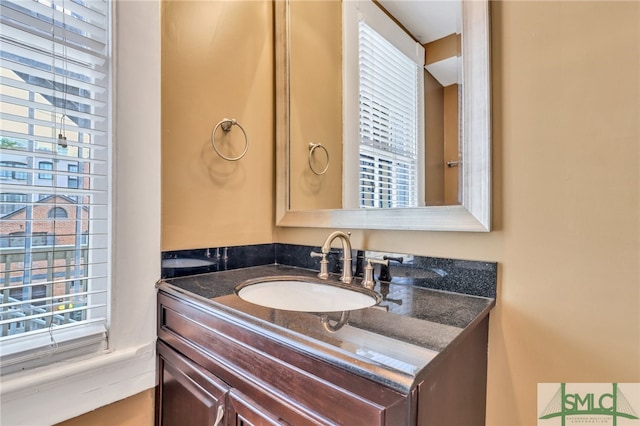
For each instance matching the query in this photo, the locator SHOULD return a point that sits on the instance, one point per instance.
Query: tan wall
(451, 144)
(137, 410)
(316, 103)
(441, 142)
(565, 195)
(217, 62)
(434, 141)
(443, 48)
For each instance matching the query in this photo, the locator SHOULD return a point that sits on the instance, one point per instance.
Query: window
(387, 103)
(55, 81)
(128, 367)
(7, 171)
(45, 165)
(11, 202)
(72, 180)
(17, 239)
(57, 213)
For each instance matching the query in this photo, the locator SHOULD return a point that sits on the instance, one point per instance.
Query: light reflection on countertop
(392, 346)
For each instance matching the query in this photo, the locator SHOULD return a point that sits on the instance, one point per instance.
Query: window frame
(128, 366)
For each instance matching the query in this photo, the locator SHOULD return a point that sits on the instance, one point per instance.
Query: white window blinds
(383, 107)
(389, 120)
(55, 177)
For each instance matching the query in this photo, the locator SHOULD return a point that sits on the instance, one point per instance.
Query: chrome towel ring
(226, 125)
(312, 148)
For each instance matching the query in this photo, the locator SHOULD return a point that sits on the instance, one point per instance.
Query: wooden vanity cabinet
(208, 361)
(190, 395)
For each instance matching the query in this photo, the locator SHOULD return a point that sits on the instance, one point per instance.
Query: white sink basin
(303, 294)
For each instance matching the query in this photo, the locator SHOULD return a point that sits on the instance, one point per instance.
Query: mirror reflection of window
(389, 112)
(389, 123)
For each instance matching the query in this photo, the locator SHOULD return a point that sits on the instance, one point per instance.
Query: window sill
(67, 389)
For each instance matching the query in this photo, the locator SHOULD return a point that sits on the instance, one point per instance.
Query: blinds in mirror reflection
(389, 123)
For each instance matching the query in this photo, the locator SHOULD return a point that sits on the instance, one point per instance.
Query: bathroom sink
(293, 293)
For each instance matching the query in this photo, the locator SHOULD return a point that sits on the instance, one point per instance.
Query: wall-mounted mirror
(446, 185)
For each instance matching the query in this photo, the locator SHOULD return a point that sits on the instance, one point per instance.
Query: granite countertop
(393, 343)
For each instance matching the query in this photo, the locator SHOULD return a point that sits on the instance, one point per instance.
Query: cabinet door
(245, 412)
(187, 394)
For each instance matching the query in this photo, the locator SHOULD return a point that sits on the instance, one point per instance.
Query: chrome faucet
(347, 275)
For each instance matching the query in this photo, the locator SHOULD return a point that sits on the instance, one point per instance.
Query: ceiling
(429, 20)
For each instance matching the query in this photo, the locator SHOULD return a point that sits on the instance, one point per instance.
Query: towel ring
(226, 125)
(313, 147)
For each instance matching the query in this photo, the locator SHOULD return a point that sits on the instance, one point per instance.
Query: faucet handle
(368, 280)
(324, 265)
(398, 259)
(384, 272)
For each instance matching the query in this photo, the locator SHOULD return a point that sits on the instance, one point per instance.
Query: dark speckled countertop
(393, 343)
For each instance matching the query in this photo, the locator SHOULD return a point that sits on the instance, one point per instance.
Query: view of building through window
(53, 168)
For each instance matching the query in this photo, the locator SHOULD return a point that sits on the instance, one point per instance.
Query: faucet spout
(347, 274)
